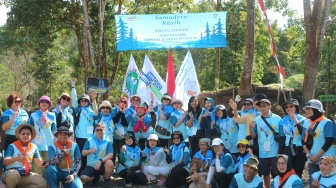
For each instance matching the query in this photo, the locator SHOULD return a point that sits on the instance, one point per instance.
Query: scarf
(87, 112)
(241, 159)
(44, 118)
(67, 146)
(19, 146)
(208, 156)
(285, 177)
(107, 120)
(104, 140)
(168, 109)
(311, 125)
(178, 115)
(148, 150)
(19, 118)
(133, 153)
(177, 152)
(213, 162)
(65, 113)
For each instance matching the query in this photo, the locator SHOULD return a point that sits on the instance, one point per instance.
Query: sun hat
(20, 127)
(220, 107)
(153, 137)
(105, 103)
(177, 133)
(84, 96)
(205, 140)
(124, 99)
(136, 95)
(249, 100)
(264, 101)
(167, 96)
(217, 142)
(143, 105)
(259, 96)
(64, 94)
(316, 104)
(243, 142)
(44, 98)
(252, 162)
(176, 101)
(291, 101)
(63, 129)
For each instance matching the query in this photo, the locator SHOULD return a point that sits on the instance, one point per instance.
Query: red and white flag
(170, 77)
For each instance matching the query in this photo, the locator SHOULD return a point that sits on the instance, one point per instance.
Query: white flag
(186, 81)
(150, 82)
(132, 77)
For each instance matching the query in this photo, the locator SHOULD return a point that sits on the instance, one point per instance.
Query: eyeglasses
(123, 102)
(84, 100)
(176, 103)
(289, 106)
(165, 99)
(137, 100)
(44, 101)
(66, 98)
(281, 163)
(241, 146)
(25, 134)
(263, 106)
(247, 104)
(106, 107)
(176, 138)
(99, 130)
(18, 102)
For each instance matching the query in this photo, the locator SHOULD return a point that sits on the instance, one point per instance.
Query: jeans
(54, 175)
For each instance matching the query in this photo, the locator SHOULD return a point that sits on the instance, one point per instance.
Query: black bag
(212, 134)
(161, 130)
(199, 134)
(310, 140)
(276, 134)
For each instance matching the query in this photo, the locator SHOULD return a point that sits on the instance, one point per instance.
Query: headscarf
(289, 170)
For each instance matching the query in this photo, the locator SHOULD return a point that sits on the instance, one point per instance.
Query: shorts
(268, 166)
(91, 172)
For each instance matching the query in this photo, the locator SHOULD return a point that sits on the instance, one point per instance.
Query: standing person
(18, 158)
(99, 152)
(293, 132)
(130, 111)
(287, 176)
(266, 129)
(179, 157)
(200, 163)
(163, 111)
(13, 117)
(249, 177)
(177, 118)
(208, 119)
(141, 123)
(44, 123)
(222, 166)
(84, 124)
(193, 119)
(326, 177)
(129, 162)
(64, 161)
(156, 163)
(120, 122)
(103, 115)
(62, 111)
(227, 128)
(319, 136)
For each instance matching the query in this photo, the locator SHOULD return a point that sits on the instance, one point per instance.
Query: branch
(323, 25)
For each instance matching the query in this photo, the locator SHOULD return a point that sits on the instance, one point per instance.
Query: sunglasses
(137, 100)
(247, 104)
(18, 102)
(106, 107)
(166, 99)
(44, 101)
(176, 103)
(99, 130)
(263, 106)
(289, 106)
(66, 98)
(123, 102)
(176, 138)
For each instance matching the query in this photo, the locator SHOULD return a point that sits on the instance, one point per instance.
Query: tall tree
(315, 22)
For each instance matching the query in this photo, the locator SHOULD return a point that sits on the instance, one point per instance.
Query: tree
(315, 22)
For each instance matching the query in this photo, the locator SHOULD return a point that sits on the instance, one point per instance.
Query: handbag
(310, 140)
(199, 134)
(161, 130)
(276, 134)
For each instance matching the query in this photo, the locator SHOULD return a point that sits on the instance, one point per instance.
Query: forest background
(45, 43)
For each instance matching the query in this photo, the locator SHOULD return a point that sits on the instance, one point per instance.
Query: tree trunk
(78, 33)
(245, 87)
(101, 11)
(315, 22)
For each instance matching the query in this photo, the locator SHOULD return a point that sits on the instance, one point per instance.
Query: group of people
(78, 141)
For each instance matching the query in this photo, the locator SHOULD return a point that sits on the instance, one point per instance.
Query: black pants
(177, 177)
(132, 177)
(193, 143)
(81, 142)
(116, 148)
(298, 161)
(222, 180)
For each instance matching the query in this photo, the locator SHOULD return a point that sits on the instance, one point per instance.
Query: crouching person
(18, 160)
(99, 152)
(64, 161)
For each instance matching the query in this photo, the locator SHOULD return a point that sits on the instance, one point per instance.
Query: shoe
(162, 181)
(95, 181)
(127, 184)
(108, 183)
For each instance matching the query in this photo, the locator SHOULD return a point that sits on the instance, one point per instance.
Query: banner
(186, 81)
(150, 82)
(100, 85)
(170, 77)
(131, 80)
(163, 31)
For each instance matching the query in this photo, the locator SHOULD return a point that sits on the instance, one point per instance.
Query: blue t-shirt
(104, 147)
(12, 152)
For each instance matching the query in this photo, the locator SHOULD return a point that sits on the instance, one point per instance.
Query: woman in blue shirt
(326, 177)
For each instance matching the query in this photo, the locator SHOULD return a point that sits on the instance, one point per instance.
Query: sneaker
(127, 184)
(162, 181)
(95, 181)
(108, 183)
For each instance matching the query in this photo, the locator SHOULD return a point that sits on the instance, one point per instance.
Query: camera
(311, 132)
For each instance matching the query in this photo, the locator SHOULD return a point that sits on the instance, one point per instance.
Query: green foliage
(294, 82)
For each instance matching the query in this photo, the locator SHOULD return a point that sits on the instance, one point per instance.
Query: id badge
(38, 140)
(89, 130)
(121, 130)
(251, 142)
(194, 130)
(228, 144)
(267, 145)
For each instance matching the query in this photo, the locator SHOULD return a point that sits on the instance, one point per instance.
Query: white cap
(153, 136)
(217, 142)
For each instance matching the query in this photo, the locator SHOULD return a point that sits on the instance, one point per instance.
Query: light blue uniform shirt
(229, 132)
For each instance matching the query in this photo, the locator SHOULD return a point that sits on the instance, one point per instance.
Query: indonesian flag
(170, 77)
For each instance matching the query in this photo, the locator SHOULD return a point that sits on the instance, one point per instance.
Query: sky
(293, 4)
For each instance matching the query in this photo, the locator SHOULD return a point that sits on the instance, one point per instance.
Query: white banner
(186, 81)
(150, 82)
(132, 77)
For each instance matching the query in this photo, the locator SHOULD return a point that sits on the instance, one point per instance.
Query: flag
(150, 82)
(280, 69)
(186, 81)
(170, 77)
(132, 77)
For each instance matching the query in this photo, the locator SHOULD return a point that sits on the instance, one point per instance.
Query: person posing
(326, 177)
(268, 146)
(200, 163)
(64, 161)
(156, 163)
(222, 166)
(13, 117)
(62, 111)
(292, 133)
(177, 118)
(130, 164)
(18, 158)
(44, 123)
(193, 119)
(244, 153)
(163, 111)
(99, 152)
(104, 116)
(249, 177)
(120, 122)
(227, 128)
(319, 136)
(130, 111)
(287, 176)
(141, 123)
(207, 123)
(179, 157)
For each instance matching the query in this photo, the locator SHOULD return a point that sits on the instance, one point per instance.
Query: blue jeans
(54, 175)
